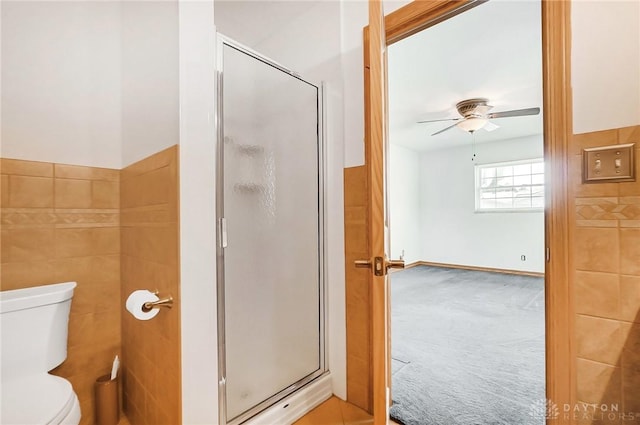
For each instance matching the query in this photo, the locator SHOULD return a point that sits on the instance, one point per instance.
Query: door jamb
(557, 106)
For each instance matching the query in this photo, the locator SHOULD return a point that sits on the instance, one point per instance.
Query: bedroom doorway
(394, 27)
(466, 198)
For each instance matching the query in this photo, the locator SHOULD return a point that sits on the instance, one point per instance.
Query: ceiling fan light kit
(475, 115)
(472, 124)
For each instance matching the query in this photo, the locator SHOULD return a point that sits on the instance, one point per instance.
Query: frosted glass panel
(271, 207)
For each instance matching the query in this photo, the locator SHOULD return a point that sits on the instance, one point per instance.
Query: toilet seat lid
(37, 399)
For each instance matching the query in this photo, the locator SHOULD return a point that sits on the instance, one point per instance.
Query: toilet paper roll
(137, 299)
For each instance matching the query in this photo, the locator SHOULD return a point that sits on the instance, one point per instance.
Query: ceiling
(492, 51)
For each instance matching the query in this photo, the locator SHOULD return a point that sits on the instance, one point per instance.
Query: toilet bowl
(34, 324)
(39, 399)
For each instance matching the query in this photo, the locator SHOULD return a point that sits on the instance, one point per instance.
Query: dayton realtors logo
(544, 409)
(547, 409)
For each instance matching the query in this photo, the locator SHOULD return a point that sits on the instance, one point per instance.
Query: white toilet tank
(34, 328)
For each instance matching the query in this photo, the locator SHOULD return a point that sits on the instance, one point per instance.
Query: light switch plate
(608, 164)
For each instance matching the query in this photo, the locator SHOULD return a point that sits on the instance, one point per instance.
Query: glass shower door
(271, 239)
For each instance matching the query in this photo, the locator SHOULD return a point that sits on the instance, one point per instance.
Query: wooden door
(402, 23)
(375, 66)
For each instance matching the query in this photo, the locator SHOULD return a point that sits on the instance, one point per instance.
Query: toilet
(34, 327)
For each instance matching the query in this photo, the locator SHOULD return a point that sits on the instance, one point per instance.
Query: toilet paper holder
(162, 302)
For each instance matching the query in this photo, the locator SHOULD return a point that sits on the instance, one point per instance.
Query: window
(510, 186)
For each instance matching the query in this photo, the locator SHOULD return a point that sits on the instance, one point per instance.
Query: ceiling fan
(475, 115)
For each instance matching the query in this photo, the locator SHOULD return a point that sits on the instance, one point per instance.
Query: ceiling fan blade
(489, 126)
(514, 113)
(445, 129)
(444, 119)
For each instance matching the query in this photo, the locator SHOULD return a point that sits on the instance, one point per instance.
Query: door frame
(557, 107)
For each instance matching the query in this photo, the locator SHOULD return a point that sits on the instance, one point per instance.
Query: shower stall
(270, 206)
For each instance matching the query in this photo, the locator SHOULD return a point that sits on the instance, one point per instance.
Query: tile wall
(61, 223)
(151, 349)
(606, 282)
(357, 291)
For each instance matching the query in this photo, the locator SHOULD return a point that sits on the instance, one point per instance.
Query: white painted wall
(605, 64)
(453, 233)
(149, 78)
(61, 80)
(198, 296)
(405, 218)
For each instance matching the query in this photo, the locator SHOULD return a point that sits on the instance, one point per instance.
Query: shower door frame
(323, 369)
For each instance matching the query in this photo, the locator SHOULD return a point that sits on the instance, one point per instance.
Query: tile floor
(335, 412)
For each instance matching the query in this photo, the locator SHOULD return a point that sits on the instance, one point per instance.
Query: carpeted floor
(467, 347)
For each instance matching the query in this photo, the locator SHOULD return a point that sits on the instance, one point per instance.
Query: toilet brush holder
(107, 406)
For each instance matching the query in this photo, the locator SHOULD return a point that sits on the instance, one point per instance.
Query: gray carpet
(467, 347)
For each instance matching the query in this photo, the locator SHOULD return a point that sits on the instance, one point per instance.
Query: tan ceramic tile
(4, 191)
(158, 244)
(27, 245)
(629, 134)
(64, 171)
(356, 216)
(151, 188)
(598, 339)
(629, 223)
(597, 294)
(358, 381)
(355, 186)
(28, 218)
(629, 200)
(606, 203)
(105, 194)
(96, 297)
(94, 328)
(596, 249)
(631, 345)
(26, 191)
(633, 188)
(23, 275)
(352, 415)
(327, 413)
(630, 251)
(149, 215)
(88, 271)
(87, 242)
(597, 382)
(630, 386)
(594, 139)
(135, 270)
(168, 394)
(597, 223)
(630, 298)
(26, 168)
(70, 193)
(148, 196)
